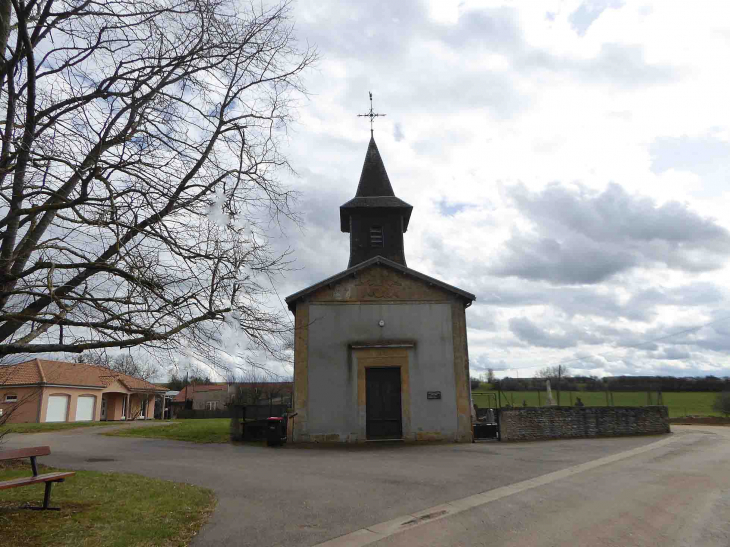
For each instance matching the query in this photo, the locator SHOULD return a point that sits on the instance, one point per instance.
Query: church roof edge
(293, 298)
(375, 202)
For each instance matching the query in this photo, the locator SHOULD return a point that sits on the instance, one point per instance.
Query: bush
(191, 414)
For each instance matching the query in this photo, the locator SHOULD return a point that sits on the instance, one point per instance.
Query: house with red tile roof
(204, 396)
(216, 396)
(42, 390)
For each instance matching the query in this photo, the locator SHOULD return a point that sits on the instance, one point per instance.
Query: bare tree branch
(140, 148)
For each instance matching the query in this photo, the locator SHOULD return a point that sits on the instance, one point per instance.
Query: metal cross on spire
(372, 115)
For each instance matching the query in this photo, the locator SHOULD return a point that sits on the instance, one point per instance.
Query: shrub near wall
(531, 424)
(194, 414)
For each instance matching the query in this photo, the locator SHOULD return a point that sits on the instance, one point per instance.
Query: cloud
(450, 209)
(521, 94)
(624, 65)
(706, 156)
(582, 236)
(588, 12)
(398, 134)
(672, 354)
(570, 336)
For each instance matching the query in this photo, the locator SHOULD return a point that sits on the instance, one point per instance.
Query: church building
(380, 349)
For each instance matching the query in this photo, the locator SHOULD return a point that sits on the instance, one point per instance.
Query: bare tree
(249, 386)
(138, 160)
(128, 364)
(554, 372)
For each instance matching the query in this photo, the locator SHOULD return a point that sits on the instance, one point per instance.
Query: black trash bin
(275, 431)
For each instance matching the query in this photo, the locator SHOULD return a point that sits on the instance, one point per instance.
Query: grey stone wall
(530, 424)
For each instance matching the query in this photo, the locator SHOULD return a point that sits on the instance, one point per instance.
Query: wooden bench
(47, 478)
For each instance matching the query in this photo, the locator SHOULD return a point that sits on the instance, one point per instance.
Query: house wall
(201, 397)
(74, 394)
(151, 407)
(27, 411)
(326, 369)
(35, 409)
(114, 406)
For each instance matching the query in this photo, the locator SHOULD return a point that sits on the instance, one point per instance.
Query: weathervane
(372, 115)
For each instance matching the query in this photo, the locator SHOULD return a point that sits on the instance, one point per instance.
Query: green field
(55, 426)
(211, 430)
(680, 403)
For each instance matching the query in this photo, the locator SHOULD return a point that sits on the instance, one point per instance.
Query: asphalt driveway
(304, 496)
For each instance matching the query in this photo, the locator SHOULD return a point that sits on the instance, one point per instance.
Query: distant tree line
(615, 383)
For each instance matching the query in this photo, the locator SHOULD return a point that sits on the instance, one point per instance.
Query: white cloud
(617, 109)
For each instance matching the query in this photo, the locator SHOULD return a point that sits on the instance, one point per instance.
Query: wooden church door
(383, 403)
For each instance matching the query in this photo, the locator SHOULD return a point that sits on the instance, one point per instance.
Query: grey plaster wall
(332, 370)
(530, 424)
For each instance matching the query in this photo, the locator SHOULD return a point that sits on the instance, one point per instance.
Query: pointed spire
(374, 179)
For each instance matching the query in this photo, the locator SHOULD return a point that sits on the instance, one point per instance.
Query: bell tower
(375, 219)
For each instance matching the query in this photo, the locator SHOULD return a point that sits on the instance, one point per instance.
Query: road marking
(376, 532)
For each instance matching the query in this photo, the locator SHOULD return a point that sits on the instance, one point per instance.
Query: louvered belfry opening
(375, 218)
(376, 236)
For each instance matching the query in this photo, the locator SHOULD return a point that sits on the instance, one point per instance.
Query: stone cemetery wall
(553, 422)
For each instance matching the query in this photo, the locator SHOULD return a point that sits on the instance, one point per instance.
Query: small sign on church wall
(433, 395)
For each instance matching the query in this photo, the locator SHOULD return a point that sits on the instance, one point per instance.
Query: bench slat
(23, 481)
(25, 453)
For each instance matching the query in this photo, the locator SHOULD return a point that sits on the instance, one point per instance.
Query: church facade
(380, 349)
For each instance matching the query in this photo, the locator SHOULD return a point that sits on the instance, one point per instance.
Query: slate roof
(374, 179)
(292, 299)
(374, 190)
(48, 372)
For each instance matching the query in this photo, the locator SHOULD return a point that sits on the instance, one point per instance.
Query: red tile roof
(44, 371)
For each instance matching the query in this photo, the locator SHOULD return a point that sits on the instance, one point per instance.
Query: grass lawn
(42, 428)
(111, 509)
(213, 430)
(679, 403)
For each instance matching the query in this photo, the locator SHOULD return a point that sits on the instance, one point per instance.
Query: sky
(568, 163)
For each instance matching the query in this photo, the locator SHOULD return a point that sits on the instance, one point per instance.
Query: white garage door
(85, 408)
(57, 408)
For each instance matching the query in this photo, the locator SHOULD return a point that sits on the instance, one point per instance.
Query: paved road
(295, 496)
(673, 494)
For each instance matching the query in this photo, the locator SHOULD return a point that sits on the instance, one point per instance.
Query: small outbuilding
(380, 349)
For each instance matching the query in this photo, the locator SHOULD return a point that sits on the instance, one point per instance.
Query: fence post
(560, 376)
(235, 426)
